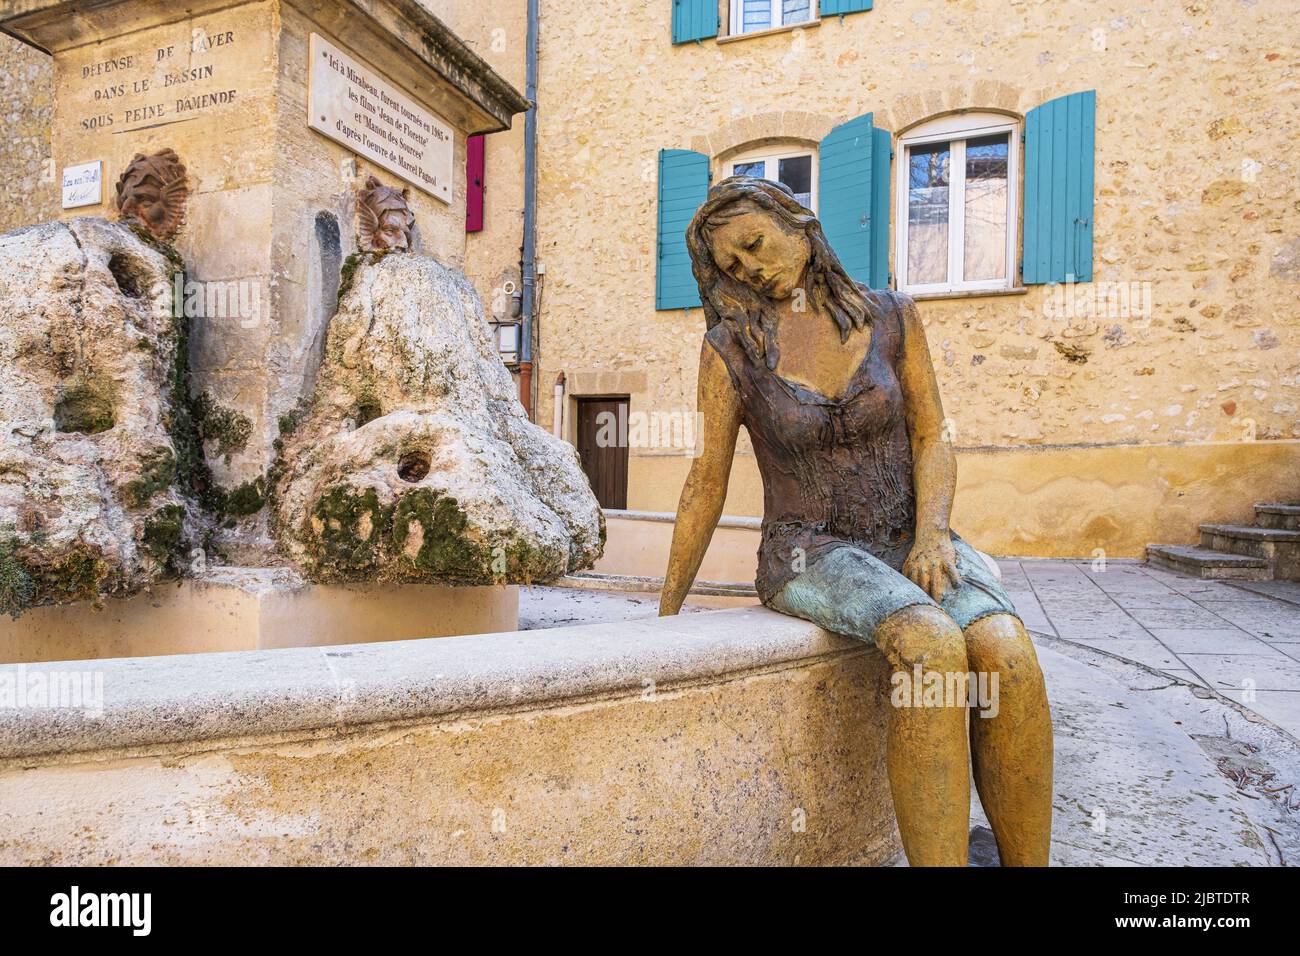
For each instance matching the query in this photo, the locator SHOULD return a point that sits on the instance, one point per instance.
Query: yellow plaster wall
(1061, 501)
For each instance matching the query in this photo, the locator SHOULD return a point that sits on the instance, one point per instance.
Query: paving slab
(1288, 591)
(1143, 650)
(1185, 675)
(1281, 706)
(1271, 671)
(1195, 616)
(1277, 620)
(1208, 640)
(1108, 628)
(1164, 600)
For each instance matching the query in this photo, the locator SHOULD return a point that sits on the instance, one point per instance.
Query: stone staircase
(1268, 550)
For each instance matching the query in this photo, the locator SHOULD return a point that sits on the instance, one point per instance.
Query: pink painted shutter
(474, 183)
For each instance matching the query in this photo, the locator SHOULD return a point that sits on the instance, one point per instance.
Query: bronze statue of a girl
(834, 384)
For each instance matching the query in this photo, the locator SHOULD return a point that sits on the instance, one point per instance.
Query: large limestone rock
(416, 461)
(88, 374)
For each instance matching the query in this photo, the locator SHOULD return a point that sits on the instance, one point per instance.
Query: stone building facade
(497, 32)
(27, 89)
(1176, 400)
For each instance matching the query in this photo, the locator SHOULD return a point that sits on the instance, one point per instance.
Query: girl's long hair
(827, 286)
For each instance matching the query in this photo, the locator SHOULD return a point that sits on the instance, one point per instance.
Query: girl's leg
(929, 770)
(1012, 750)
(850, 591)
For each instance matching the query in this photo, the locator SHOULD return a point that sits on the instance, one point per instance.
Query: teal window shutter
(882, 150)
(832, 8)
(1060, 141)
(683, 186)
(853, 198)
(694, 20)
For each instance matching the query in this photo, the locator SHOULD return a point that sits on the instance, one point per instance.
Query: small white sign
(351, 102)
(83, 185)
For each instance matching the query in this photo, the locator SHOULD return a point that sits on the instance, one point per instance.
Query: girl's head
(752, 245)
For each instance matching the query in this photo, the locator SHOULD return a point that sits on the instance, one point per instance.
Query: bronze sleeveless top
(835, 472)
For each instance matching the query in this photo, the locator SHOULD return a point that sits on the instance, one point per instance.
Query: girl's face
(753, 248)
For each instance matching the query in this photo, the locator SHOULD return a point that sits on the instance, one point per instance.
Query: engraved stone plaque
(354, 104)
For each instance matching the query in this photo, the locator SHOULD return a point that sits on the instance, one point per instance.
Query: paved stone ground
(1175, 704)
(1150, 771)
(1240, 639)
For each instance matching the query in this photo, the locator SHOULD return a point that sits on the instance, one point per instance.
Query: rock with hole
(416, 461)
(89, 501)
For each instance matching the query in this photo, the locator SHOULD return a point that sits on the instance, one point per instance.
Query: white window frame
(737, 18)
(773, 154)
(957, 129)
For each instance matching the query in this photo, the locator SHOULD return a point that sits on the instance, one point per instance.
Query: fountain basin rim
(160, 702)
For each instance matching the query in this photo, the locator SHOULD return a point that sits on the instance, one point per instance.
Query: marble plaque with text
(354, 104)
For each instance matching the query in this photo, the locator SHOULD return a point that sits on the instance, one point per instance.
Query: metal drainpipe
(528, 265)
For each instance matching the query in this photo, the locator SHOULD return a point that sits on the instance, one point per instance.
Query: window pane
(927, 214)
(986, 207)
(755, 15)
(796, 172)
(795, 11)
(757, 169)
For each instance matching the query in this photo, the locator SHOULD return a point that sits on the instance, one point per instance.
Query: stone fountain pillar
(280, 112)
(278, 109)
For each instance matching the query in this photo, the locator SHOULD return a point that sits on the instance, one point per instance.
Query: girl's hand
(932, 566)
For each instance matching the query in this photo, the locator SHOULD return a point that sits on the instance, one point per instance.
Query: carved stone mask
(384, 220)
(151, 193)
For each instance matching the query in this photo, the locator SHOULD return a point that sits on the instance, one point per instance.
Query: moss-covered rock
(164, 536)
(290, 420)
(157, 473)
(79, 574)
(415, 461)
(430, 533)
(351, 530)
(227, 429)
(241, 501)
(86, 408)
(92, 345)
(17, 590)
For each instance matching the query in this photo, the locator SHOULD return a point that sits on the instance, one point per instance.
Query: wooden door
(602, 446)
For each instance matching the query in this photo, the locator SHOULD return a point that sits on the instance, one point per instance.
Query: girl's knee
(998, 642)
(922, 635)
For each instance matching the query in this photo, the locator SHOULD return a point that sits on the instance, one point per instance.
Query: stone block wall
(27, 92)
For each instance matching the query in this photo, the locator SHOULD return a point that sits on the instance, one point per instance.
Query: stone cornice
(397, 26)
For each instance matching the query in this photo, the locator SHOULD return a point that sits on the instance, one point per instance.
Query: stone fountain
(247, 397)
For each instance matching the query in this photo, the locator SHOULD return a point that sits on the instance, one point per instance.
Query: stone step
(1280, 547)
(1250, 532)
(1205, 563)
(1278, 515)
